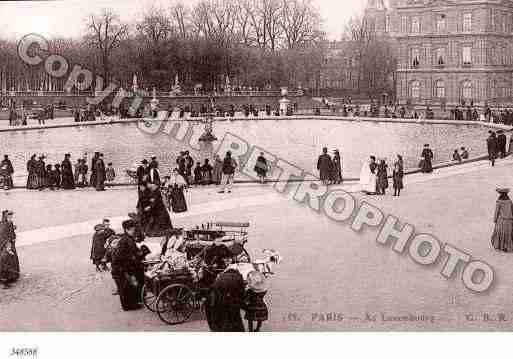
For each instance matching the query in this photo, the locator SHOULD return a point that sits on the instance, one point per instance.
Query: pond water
(296, 141)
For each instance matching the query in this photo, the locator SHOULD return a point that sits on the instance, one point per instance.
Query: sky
(66, 18)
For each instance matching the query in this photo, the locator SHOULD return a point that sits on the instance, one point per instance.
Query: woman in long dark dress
(158, 220)
(32, 175)
(502, 237)
(68, 181)
(427, 156)
(9, 262)
(224, 303)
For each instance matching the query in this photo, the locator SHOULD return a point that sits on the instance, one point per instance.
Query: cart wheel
(243, 257)
(148, 298)
(175, 304)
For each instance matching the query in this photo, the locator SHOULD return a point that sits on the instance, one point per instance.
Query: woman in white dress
(367, 179)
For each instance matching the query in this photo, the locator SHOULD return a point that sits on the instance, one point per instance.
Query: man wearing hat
(127, 269)
(325, 166)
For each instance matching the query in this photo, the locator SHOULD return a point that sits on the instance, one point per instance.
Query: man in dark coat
(68, 181)
(325, 166)
(224, 303)
(501, 142)
(100, 173)
(127, 269)
(493, 147)
(92, 180)
(7, 168)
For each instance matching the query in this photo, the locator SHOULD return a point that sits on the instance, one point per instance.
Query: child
(254, 304)
(98, 250)
(198, 177)
(110, 173)
(50, 178)
(397, 175)
(82, 173)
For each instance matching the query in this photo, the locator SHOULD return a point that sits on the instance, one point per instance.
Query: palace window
(467, 22)
(440, 56)
(415, 58)
(415, 25)
(440, 23)
(387, 23)
(467, 55)
(466, 89)
(415, 89)
(440, 89)
(504, 23)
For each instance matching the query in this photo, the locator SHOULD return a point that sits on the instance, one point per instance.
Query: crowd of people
(67, 176)
(374, 176)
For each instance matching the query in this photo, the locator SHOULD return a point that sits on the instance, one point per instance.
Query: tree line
(257, 43)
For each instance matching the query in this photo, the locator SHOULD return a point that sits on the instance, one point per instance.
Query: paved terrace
(327, 268)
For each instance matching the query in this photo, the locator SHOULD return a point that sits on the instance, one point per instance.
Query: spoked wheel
(149, 299)
(175, 304)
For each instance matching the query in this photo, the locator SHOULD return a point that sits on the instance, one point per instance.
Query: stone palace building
(449, 52)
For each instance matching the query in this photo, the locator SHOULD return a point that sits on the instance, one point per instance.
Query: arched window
(387, 23)
(466, 89)
(415, 89)
(440, 89)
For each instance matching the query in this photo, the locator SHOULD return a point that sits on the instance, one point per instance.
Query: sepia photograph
(255, 166)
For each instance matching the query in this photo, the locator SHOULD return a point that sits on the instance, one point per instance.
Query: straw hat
(503, 190)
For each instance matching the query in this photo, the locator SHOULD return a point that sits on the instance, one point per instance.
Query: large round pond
(296, 141)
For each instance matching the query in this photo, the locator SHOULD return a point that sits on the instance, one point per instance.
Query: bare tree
(105, 33)
(215, 20)
(300, 23)
(180, 18)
